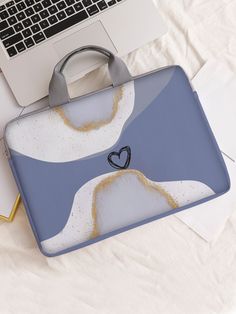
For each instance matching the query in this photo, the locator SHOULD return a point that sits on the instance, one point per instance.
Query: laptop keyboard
(24, 24)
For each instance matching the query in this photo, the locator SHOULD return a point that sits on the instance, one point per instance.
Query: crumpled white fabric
(162, 267)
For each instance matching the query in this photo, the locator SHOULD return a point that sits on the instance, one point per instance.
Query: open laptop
(36, 34)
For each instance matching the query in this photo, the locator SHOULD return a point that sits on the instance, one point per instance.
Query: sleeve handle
(58, 91)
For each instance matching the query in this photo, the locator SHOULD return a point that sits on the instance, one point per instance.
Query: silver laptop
(36, 34)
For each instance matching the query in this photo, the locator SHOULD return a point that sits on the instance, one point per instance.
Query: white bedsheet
(163, 267)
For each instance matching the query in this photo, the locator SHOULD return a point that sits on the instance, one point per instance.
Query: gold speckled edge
(141, 177)
(13, 212)
(94, 125)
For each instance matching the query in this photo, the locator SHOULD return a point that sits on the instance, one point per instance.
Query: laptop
(36, 34)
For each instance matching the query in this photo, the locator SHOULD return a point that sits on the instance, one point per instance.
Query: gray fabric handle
(58, 91)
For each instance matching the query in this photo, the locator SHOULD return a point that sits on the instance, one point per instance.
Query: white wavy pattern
(127, 203)
(46, 137)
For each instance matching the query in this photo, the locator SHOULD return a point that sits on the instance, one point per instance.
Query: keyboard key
(3, 25)
(21, 6)
(12, 40)
(86, 3)
(69, 2)
(35, 28)
(92, 10)
(78, 6)
(27, 23)
(46, 3)
(70, 11)
(9, 4)
(111, 2)
(38, 7)
(12, 10)
(44, 24)
(4, 15)
(61, 15)
(72, 20)
(39, 37)
(26, 32)
(35, 18)
(52, 19)
(12, 20)
(29, 3)
(29, 42)
(44, 14)
(29, 11)
(61, 5)
(7, 33)
(18, 27)
(102, 5)
(20, 47)
(20, 16)
(2, 7)
(11, 51)
(53, 9)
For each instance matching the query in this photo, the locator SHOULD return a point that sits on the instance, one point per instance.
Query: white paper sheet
(8, 189)
(216, 86)
(8, 104)
(9, 110)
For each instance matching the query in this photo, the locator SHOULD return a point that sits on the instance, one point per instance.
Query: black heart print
(116, 163)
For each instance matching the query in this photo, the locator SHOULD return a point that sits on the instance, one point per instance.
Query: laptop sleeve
(91, 167)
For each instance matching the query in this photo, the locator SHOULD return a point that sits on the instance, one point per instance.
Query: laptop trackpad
(95, 34)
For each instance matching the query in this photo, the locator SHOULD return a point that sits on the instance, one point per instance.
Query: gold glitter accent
(94, 125)
(109, 180)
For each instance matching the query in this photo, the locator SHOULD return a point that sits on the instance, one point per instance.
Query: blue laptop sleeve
(92, 167)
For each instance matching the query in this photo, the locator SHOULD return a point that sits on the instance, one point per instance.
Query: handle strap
(58, 91)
